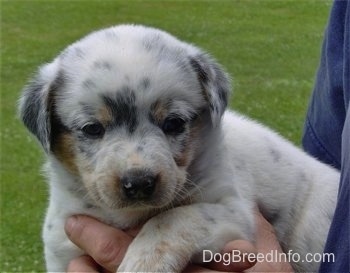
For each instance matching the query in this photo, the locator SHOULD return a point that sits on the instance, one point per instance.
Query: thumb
(105, 244)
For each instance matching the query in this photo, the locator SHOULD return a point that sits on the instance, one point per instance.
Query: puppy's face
(124, 110)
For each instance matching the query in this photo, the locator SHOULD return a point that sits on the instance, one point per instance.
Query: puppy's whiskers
(187, 193)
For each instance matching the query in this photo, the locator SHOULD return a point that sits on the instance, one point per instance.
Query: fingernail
(71, 222)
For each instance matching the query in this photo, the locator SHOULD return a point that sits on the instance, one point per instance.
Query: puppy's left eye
(93, 130)
(173, 126)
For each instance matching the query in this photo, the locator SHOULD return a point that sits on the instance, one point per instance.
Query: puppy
(134, 127)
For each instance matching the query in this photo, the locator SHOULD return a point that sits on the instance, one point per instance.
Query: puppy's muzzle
(139, 184)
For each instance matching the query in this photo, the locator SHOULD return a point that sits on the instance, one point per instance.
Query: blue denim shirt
(327, 126)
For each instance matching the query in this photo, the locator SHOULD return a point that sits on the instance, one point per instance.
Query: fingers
(106, 245)
(241, 249)
(83, 264)
(265, 233)
(237, 263)
(266, 240)
(199, 269)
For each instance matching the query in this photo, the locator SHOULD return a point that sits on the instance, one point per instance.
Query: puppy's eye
(173, 126)
(93, 130)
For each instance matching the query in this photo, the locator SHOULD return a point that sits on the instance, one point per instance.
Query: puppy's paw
(161, 257)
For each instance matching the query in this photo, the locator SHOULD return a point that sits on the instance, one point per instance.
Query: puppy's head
(125, 110)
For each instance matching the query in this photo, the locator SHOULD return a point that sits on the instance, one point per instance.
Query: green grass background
(270, 47)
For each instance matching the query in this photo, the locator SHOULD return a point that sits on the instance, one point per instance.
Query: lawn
(271, 48)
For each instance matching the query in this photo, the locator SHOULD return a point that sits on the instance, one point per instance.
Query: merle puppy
(134, 127)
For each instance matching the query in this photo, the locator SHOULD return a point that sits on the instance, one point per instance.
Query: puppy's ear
(36, 101)
(215, 84)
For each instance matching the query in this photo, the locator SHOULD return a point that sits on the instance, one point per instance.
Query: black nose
(138, 184)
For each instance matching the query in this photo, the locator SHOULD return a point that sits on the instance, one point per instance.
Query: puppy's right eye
(93, 130)
(173, 126)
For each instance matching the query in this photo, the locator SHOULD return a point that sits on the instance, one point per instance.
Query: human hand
(266, 240)
(106, 246)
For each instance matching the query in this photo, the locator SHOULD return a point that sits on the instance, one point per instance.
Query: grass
(271, 47)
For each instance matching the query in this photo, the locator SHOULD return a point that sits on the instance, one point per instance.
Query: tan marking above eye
(104, 115)
(159, 110)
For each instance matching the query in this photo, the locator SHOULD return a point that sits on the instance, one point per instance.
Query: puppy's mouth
(137, 203)
(136, 189)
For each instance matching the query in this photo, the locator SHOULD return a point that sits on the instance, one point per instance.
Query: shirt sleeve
(327, 109)
(327, 128)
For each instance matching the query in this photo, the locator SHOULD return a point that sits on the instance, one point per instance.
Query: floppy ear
(215, 84)
(35, 103)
